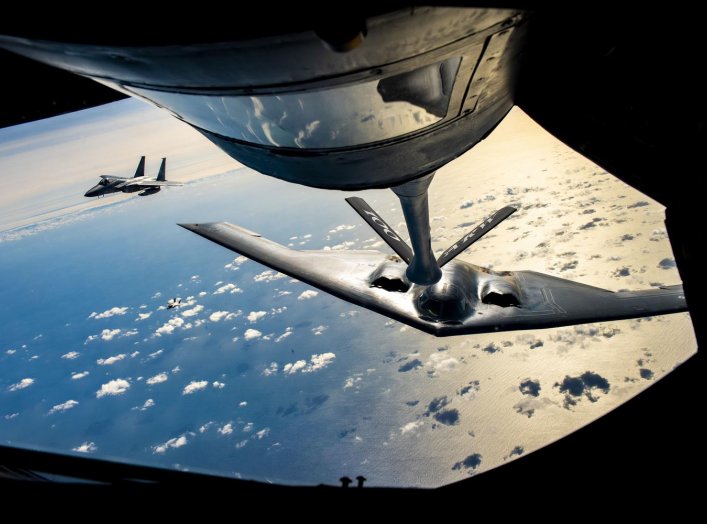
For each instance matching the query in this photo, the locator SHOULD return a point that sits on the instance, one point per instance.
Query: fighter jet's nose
(94, 191)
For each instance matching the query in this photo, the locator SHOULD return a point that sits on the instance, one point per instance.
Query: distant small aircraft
(174, 302)
(139, 182)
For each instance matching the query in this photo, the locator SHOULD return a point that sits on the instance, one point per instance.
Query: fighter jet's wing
(485, 301)
(150, 182)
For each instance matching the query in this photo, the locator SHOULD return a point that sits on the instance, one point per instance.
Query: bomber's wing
(485, 301)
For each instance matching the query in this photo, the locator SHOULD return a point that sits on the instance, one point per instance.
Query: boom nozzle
(423, 268)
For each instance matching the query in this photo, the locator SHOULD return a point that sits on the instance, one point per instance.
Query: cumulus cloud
(307, 294)
(64, 406)
(172, 443)
(584, 384)
(410, 365)
(530, 387)
(470, 390)
(218, 385)
(216, 316)
(157, 379)
(517, 451)
(666, 263)
(22, 384)
(193, 311)
(79, 376)
(262, 433)
(337, 247)
(491, 348)
(342, 227)
(582, 335)
(439, 362)
(530, 340)
(114, 387)
(287, 333)
(411, 427)
(109, 334)
(242, 404)
(155, 354)
(271, 369)
(109, 313)
(316, 363)
(657, 235)
(168, 327)
(436, 404)
(529, 405)
(352, 381)
(227, 429)
(71, 355)
(194, 386)
(86, 447)
(228, 288)
(268, 276)
(110, 360)
(239, 261)
(254, 316)
(319, 330)
(251, 334)
(143, 316)
(146, 405)
(469, 463)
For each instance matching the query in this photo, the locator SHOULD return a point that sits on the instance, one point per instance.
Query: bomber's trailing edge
(139, 183)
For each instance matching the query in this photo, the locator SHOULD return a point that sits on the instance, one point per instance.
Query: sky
(47, 165)
(262, 377)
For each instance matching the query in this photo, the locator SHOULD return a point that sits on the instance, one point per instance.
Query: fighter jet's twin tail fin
(161, 174)
(140, 171)
(405, 252)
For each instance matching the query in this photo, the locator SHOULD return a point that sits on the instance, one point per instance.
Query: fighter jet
(139, 183)
(174, 302)
(372, 103)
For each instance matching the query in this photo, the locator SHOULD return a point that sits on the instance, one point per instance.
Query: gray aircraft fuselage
(107, 186)
(137, 184)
